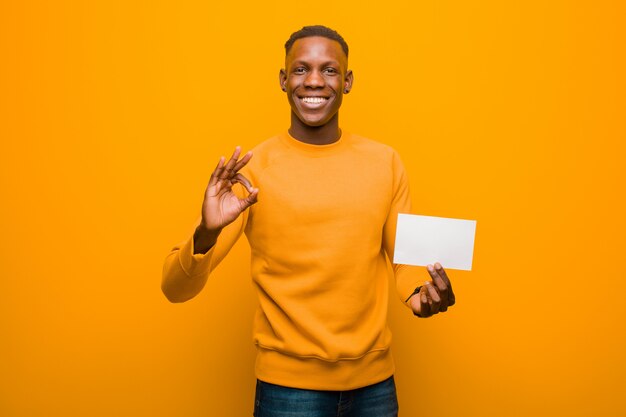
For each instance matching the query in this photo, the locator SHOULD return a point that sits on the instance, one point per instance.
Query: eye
(299, 70)
(330, 70)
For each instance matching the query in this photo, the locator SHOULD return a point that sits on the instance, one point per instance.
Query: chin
(314, 121)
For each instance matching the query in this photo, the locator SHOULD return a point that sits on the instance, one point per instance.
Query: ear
(282, 79)
(348, 80)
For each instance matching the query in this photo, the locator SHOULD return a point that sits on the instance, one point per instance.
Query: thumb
(420, 303)
(424, 302)
(250, 199)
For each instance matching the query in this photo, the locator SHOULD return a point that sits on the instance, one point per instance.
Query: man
(319, 208)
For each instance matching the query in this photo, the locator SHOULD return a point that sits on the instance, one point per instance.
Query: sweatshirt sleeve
(407, 277)
(185, 274)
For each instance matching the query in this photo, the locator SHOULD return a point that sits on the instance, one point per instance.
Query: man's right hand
(221, 206)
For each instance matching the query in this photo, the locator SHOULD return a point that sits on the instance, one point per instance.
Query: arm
(406, 276)
(433, 296)
(224, 216)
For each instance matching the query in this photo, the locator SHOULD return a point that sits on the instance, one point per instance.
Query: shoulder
(264, 153)
(373, 149)
(268, 145)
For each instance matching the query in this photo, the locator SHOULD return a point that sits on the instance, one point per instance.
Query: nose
(314, 79)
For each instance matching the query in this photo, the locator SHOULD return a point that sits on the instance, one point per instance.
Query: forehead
(316, 48)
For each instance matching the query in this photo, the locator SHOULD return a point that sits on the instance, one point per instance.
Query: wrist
(205, 230)
(204, 239)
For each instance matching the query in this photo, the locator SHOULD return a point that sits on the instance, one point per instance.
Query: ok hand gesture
(221, 206)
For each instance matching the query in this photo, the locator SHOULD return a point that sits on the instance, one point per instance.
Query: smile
(313, 100)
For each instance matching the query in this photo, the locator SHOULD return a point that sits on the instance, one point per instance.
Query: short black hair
(316, 30)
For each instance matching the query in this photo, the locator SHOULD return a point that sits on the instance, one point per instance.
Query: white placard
(423, 240)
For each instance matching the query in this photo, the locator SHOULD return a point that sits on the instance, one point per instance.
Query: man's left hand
(435, 296)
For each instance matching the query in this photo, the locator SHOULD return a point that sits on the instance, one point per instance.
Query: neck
(315, 135)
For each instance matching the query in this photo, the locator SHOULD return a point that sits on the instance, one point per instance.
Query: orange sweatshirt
(319, 236)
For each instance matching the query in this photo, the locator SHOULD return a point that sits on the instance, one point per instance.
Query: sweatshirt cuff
(194, 264)
(407, 281)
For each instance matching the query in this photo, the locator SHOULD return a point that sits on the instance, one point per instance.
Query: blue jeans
(377, 400)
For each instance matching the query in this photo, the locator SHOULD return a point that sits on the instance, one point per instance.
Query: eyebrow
(333, 62)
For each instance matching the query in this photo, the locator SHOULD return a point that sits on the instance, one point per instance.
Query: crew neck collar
(315, 149)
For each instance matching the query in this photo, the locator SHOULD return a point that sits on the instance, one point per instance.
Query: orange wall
(113, 115)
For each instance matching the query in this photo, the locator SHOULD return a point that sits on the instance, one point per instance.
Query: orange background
(113, 115)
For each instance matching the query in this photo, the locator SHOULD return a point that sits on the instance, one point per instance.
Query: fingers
(436, 295)
(440, 284)
(216, 171)
(243, 181)
(422, 303)
(428, 301)
(433, 297)
(444, 276)
(250, 199)
(425, 310)
(246, 158)
(444, 287)
(228, 168)
(451, 299)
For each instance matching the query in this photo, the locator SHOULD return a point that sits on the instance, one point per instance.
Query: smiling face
(315, 78)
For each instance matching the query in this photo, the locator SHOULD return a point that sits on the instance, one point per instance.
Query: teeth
(313, 100)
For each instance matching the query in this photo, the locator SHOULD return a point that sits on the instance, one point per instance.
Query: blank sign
(423, 240)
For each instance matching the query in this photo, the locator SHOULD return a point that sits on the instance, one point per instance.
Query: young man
(319, 208)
